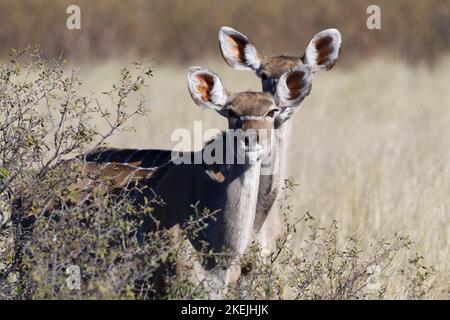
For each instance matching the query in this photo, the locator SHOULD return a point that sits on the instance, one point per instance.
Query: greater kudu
(230, 186)
(320, 55)
(237, 50)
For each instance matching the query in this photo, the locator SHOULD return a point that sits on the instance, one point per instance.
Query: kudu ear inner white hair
(206, 88)
(292, 88)
(238, 51)
(323, 50)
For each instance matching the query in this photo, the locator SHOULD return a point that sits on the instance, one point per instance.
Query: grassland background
(371, 145)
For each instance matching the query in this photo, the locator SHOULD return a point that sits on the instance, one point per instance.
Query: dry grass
(370, 149)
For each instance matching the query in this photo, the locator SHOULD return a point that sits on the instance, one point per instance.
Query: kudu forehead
(275, 66)
(251, 103)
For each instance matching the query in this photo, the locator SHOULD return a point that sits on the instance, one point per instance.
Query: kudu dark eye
(264, 76)
(271, 113)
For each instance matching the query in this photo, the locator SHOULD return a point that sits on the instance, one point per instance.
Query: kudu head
(253, 113)
(321, 54)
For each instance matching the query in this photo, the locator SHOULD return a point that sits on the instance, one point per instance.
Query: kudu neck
(234, 225)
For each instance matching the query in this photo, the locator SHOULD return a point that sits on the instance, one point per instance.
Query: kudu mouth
(249, 147)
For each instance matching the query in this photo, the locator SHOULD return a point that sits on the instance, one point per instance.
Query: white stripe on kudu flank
(131, 156)
(156, 158)
(108, 158)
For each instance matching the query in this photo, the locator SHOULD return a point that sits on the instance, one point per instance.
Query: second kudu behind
(239, 52)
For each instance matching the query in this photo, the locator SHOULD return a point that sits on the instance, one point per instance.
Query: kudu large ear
(206, 88)
(323, 50)
(237, 50)
(293, 86)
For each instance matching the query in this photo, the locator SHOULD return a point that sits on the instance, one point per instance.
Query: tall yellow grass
(370, 147)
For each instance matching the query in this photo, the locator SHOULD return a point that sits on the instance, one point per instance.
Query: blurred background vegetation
(180, 31)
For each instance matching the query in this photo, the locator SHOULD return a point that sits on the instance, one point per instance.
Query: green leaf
(3, 173)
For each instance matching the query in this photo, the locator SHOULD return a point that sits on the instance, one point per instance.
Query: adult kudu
(231, 186)
(320, 55)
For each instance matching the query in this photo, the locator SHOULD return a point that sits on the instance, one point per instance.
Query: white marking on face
(259, 118)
